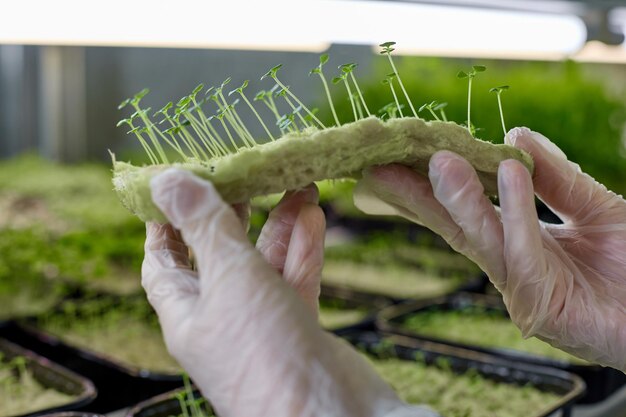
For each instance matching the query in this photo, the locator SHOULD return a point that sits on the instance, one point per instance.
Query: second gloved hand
(244, 324)
(565, 284)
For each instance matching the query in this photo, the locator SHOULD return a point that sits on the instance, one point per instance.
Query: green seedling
(441, 107)
(470, 76)
(387, 50)
(266, 98)
(318, 70)
(344, 77)
(499, 91)
(349, 69)
(295, 110)
(390, 110)
(431, 107)
(272, 74)
(389, 81)
(241, 93)
(190, 406)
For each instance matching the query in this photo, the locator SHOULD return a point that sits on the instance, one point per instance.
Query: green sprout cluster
(190, 405)
(197, 132)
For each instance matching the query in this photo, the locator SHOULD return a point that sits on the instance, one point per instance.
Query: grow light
(293, 25)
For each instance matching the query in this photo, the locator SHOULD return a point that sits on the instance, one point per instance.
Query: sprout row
(195, 131)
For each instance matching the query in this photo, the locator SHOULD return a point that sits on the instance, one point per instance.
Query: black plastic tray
(52, 375)
(601, 382)
(568, 386)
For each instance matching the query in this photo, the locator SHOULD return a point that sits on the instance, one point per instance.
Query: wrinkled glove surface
(566, 283)
(244, 324)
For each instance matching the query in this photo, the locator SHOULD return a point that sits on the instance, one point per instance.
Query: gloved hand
(246, 338)
(565, 284)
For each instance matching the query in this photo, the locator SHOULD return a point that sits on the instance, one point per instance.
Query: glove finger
(561, 185)
(169, 282)
(529, 288)
(275, 236)
(457, 187)
(305, 257)
(408, 194)
(212, 230)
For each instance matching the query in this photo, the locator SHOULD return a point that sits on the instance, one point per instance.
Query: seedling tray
(601, 381)
(567, 386)
(52, 375)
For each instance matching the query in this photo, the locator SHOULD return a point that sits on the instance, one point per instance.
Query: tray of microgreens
(462, 383)
(481, 323)
(31, 384)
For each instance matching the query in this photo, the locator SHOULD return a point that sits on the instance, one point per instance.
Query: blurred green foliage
(581, 114)
(63, 225)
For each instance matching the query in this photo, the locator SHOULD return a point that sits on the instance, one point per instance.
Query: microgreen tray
(49, 375)
(468, 313)
(481, 372)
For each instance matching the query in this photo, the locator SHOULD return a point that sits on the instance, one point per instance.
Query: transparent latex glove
(565, 284)
(243, 334)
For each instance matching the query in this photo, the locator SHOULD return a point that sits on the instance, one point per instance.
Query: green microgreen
(470, 76)
(220, 116)
(440, 107)
(295, 109)
(272, 74)
(431, 108)
(318, 70)
(309, 117)
(239, 90)
(389, 81)
(390, 110)
(266, 98)
(349, 69)
(231, 116)
(155, 157)
(387, 50)
(499, 91)
(344, 77)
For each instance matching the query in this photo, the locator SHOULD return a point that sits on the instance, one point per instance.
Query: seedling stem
(498, 91)
(318, 70)
(387, 50)
(470, 76)
(272, 73)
